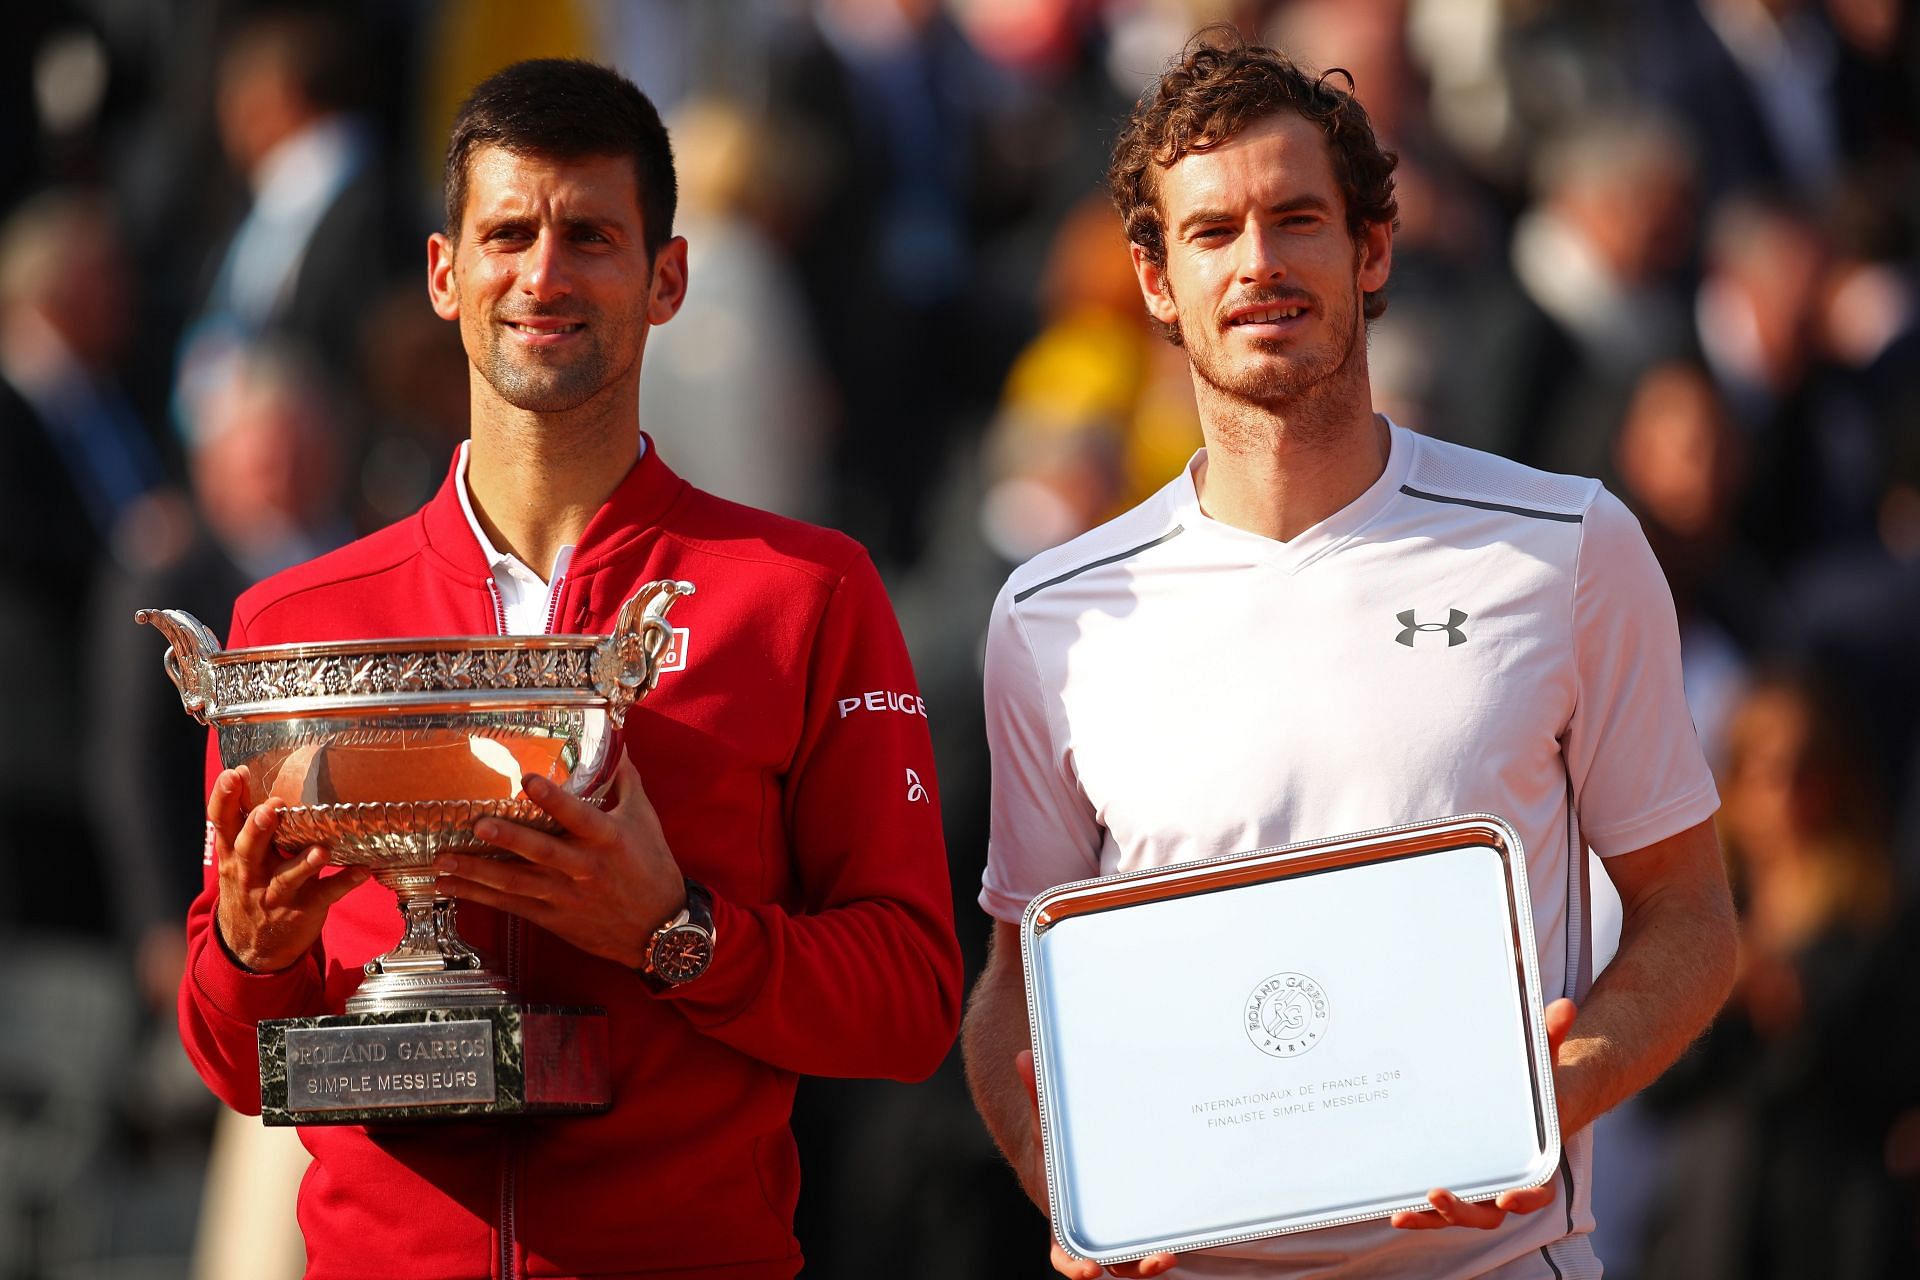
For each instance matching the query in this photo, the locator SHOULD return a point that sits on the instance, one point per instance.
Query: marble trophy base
(400, 1066)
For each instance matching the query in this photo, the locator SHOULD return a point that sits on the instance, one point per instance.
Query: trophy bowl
(387, 752)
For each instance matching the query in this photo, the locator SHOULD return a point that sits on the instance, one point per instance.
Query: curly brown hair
(1219, 86)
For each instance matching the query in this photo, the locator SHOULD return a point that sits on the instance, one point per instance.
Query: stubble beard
(528, 382)
(1297, 391)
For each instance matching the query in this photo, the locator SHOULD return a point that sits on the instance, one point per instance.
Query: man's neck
(535, 480)
(1278, 472)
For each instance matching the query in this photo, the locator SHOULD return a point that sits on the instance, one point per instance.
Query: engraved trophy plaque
(386, 752)
(1288, 1039)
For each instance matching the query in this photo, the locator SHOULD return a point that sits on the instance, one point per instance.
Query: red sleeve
(865, 980)
(220, 1002)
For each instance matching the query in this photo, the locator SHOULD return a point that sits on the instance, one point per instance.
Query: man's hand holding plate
(1450, 1210)
(1080, 1268)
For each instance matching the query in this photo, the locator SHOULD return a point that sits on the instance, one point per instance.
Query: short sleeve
(1042, 829)
(1638, 772)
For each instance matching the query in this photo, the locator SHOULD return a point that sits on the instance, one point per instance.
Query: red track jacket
(791, 765)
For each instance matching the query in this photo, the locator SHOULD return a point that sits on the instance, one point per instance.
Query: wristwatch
(682, 948)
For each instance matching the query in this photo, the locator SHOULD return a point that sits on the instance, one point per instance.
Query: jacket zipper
(553, 601)
(499, 608)
(516, 943)
(508, 1269)
(510, 1153)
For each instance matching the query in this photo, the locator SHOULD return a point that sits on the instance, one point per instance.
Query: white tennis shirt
(1468, 635)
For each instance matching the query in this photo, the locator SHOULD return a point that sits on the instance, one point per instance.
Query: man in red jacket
(788, 805)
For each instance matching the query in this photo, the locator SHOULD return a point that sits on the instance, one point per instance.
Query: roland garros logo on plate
(1286, 1015)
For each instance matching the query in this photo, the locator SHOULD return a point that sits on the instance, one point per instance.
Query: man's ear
(1155, 288)
(440, 286)
(1375, 253)
(669, 281)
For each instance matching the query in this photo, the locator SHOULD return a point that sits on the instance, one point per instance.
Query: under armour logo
(915, 792)
(1451, 626)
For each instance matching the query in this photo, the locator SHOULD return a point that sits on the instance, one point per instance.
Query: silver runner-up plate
(1288, 1038)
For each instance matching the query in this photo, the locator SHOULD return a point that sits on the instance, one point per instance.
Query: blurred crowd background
(1671, 243)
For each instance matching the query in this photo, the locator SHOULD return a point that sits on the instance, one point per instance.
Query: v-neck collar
(632, 511)
(1317, 540)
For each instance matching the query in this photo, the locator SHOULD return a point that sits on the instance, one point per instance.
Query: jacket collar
(635, 506)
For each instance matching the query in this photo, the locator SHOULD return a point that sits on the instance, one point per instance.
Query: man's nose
(545, 275)
(1261, 260)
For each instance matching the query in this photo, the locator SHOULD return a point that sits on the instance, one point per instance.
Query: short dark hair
(566, 108)
(1217, 87)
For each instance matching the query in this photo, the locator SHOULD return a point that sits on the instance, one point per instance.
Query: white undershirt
(524, 595)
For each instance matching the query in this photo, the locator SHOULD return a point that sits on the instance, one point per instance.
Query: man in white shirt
(1327, 624)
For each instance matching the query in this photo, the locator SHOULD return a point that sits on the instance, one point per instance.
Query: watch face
(682, 954)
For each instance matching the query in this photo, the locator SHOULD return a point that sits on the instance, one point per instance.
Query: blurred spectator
(78, 1181)
(319, 231)
(1543, 359)
(732, 391)
(1447, 227)
(1758, 305)
(1821, 448)
(1782, 1114)
(416, 402)
(1096, 365)
(264, 463)
(65, 295)
(1678, 460)
(1880, 75)
(1680, 467)
(75, 459)
(1791, 96)
(895, 102)
(1869, 324)
(1759, 83)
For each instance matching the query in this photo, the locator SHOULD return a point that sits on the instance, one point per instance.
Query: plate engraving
(404, 1064)
(1286, 1015)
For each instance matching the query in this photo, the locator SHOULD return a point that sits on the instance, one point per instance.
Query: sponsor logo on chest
(675, 658)
(883, 700)
(1412, 628)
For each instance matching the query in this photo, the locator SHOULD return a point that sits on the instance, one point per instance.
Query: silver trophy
(386, 752)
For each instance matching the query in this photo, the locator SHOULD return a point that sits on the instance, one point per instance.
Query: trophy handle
(627, 663)
(189, 660)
